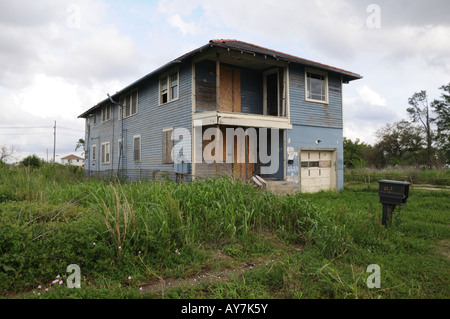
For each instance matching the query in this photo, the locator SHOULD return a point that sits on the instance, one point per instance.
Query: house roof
(71, 156)
(234, 45)
(255, 49)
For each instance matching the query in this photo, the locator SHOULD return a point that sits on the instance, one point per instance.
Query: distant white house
(72, 160)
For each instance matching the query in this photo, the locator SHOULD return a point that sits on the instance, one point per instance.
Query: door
(271, 93)
(316, 171)
(230, 89)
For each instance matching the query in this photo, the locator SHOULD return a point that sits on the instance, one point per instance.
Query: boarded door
(230, 89)
(242, 166)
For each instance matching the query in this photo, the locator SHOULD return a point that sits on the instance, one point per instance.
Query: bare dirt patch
(160, 286)
(444, 248)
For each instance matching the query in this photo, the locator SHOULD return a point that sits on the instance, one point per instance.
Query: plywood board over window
(167, 145)
(230, 89)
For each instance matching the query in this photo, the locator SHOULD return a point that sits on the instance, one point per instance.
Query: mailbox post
(392, 193)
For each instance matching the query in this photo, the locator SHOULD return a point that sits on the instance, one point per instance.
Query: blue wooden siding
(312, 113)
(251, 91)
(306, 136)
(149, 123)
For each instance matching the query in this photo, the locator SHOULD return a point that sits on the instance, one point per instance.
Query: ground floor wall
(312, 137)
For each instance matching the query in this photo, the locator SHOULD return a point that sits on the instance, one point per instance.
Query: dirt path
(161, 286)
(431, 187)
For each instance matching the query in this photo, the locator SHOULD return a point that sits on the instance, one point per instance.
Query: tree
(419, 112)
(355, 153)
(32, 161)
(442, 109)
(7, 153)
(80, 144)
(401, 143)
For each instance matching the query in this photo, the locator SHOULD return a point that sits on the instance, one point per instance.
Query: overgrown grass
(439, 177)
(124, 236)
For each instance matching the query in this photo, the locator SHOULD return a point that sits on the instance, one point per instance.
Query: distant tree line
(423, 140)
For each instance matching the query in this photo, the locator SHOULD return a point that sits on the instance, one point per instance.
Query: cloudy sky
(59, 58)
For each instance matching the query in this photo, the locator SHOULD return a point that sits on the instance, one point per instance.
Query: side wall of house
(314, 122)
(149, 122)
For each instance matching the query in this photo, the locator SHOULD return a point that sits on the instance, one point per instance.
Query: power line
(34, 133)
(24, 127)
(70, 129)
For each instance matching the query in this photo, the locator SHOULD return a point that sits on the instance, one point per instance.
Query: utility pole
(54, 142)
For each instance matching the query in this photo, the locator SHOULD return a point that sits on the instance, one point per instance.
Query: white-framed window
(94, 118)
(106, 113)
(94, 152)
(130, 105)
(167, 145)
(169, 87)
(106, 152)
(316, 86)
(137, 148)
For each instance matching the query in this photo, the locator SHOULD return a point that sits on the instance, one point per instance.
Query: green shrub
(32, 161)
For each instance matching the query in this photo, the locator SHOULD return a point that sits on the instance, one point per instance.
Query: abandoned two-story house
(228, 107)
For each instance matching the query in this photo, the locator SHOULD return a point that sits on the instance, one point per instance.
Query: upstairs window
(168, 87)
(130, 105)
(106, 113)
(316, 86)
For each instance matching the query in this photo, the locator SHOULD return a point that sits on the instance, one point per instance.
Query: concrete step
(282, 187)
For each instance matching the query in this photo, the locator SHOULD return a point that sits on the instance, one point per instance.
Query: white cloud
(369, 96)
(176, 21)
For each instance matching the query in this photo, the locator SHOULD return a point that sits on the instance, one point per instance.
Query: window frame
(321, 73)
(106, 113)
(94, 152)
(168, 86)
(134, 148)
(105, 153)
(124, 100)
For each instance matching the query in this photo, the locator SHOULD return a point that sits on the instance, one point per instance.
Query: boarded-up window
(137, 148)
(94, 152)
(167, 145)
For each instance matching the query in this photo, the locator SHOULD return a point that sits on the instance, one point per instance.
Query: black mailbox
(392, 193)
